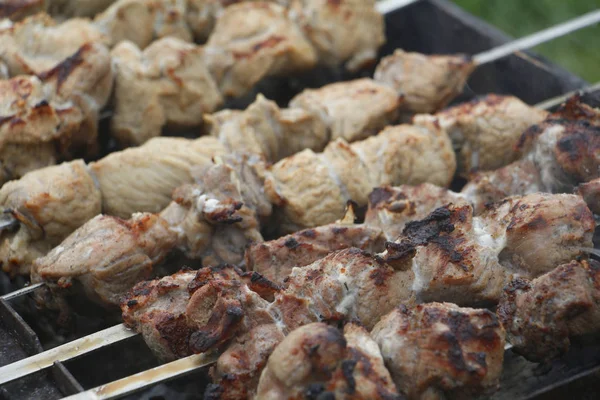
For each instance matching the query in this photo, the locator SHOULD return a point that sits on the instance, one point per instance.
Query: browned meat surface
(142, 179)
(320, 361)
(540, 316)
(166, 85)
(467, 260)
(49, 204)
(486, 131)
(561, 152)
(276, 258)
(337, 106)
(311, 189)
(590, 191)
(428, 83)
(264, 128)
(391, 208)
(439, 350)
(104, 258)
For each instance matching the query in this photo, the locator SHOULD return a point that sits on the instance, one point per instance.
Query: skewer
(22, 291)
(388, 6)
(139, 381)
(120, 332)
(558, 100)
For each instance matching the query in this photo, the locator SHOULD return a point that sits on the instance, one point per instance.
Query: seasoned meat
(467, 260)
(311, 189)
(439, 350)
(391, 208)
(318, 360)
(264, 128)
(143, 21)
(142, 179)
(49, 204)
(428, 83)
(19, 9)
(336, 104)
(104, 258)
(166, 85)
(590, 191)
(485, 131)
(252, 40)
(342, 31)
(561, 152)
(275, 259)
(540, 316)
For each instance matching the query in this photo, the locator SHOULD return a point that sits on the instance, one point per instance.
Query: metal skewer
(558, 100)
(388, 6)
(22, 291)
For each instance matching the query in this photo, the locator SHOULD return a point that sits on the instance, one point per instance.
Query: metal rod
(22, 291)
(147, 378)
(388, 6)
(537, 38)
(65, 352)
(555, 101)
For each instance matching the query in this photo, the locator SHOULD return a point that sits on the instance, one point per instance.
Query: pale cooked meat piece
(252, 40)
(311, 189)
(468, 260)
(49, 204)
(391, 208)
(590, 191)
(76, 8)
(540, 316)
(561, 152)
(428, 83)
(486, 131)
(103, 259)
(264, 128)
(343, 31)
(166, 85)
(337, 106)
(38, 44)
(220, 215)
(142, 179)
(439, 350)
(143, 21)
(319, 361)
(276, 258)
(19, 9)
(542, 231)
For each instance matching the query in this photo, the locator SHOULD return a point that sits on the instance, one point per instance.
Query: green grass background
(578, 52)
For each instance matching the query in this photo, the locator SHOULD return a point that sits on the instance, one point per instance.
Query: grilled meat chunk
(49, 204)
(485, 131)
(428, 83)
(337, 103)
(165, 85)
(437, 350)
(105, 258)
(468, 260)
(561, 152)
(590, 191)
(391, 208)
(540, 316)
(311, 189)
(320, 360)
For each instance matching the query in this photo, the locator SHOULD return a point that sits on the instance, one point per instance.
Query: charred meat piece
(561, 152)
(437, 350)
(391, 208)
(486, 131)
(428, 83)
(320, 361)
(105, 258)
(311, 189)
(337, 103)
(166, 85)
(49, 204)
(540, 316)
(468, 260)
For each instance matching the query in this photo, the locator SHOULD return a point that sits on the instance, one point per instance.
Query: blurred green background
(578, 52)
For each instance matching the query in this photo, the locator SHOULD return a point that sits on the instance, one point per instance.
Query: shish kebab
(156, 77)
(110, 205)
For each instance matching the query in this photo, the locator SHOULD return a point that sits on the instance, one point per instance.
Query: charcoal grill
(428, 26)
